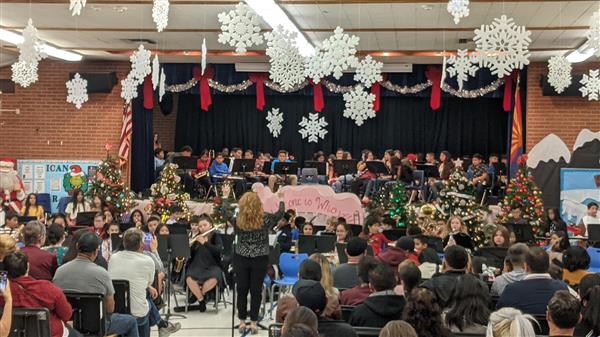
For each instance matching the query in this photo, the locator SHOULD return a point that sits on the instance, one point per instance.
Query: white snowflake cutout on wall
(340, 52)
(368, 71)
(593, 34)
(461, 66)
(160, 14)
(239, 28)
(24, 73)
(77, 90)
(76, 6)
(155, 72)
(316, 67)
(275, 119)
(502, 46)
(313, 128)
(591, 85)
(559, 73)
(140, 64)
(459, 9)
(287, 65)
(129, 88)
(359, 105)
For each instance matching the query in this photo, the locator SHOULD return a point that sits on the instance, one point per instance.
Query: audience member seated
(27, 292)
(55, 239)
(333, 309)
(377, 240)
(345, 276)
(402, 250)
(42, 264)
(563, 314)
(430, 263)
(423, 313)
(72, 249)
(11, 225)
(510, 322)
(589, 292)
(531, 295)
(501, 237)
(456, 260)
(31, 208)
(358, 294)
(383, 305)
(7, 309)
(478, 174)
(576, 261)
(457, 234)
(409, 277)
(84, 276)
(469, 308)
(302, 318)
(514, 268)
(276, 180)
(397, 329)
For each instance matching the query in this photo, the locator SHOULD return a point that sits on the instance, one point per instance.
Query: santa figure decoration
(12, 190)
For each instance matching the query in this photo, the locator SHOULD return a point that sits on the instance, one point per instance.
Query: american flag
(125, 141)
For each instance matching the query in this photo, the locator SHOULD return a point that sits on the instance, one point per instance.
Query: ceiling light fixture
(275, 16)
(15, 38)
(580, 54)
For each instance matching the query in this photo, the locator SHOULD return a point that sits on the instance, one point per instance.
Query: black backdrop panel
(462, 126)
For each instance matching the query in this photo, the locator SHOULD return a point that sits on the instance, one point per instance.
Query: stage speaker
(101, 82)
(572, 90)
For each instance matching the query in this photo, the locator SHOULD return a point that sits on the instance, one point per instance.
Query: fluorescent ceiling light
(15, 38)
(275, 16)
(581, 54)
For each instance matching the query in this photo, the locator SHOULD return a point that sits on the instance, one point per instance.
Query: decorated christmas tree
(522, 192)
(392, 200)
(108, 185)
(167, 195)
(458, 198)
(223, 207)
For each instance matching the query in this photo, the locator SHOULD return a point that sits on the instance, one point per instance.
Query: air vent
(462, 41)
(139, 41)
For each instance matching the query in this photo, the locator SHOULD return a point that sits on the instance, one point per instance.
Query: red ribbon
(205, 96)
(508, 85)
(148, 93)
(376, 90)
(434, 74)
(318, 102)
(258, 79)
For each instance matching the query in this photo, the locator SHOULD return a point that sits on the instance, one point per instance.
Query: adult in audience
(311, 294)
(423, 313)
(501, 237)
(301, 315)
(510, 322)
(563, 314)
(332, 310)
(531, 295)
(409, 277)
(458, 233)
(589, 291)
(346, 275)
(397, 329)
(478, 174)
(56, 238)
(401, 251)
(71, 253)
(31, 208)
(275, 180)
(131, 264)
(77, 204)
(514, 268)
(11, 225)
(429, 263)
(358, 294)
(470, 306)
(553, 222)
(383, 305)
(27, 292)
(300, 330)
(82, 275)
(42, 264)
(456, 260)
(6, 320)
(576, 261)
(591, 217)
(7, 246)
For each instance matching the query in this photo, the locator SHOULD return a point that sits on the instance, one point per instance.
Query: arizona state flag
(516, 133)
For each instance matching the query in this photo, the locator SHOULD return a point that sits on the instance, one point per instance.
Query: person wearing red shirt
(376, 239)
(28, 292)
(357, 295)
(201, 172)
(43, 264)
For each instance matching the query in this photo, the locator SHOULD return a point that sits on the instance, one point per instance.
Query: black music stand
(523, 232)
(341, 251)
(307, 244)
(26, 219)
(286, 168)
(394, 234)
(243, 165)
(379, 169)
(186, 163)
(344, 167)
(325, 244)
(319, 165)
(85, 218)
(494, 256)
(170, 247)
(125, 226)
(179, 228)
(593, 234)
(115, 241)
(430, 171)
(266, 169)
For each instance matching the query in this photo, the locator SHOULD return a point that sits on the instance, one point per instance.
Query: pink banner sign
(316, 199)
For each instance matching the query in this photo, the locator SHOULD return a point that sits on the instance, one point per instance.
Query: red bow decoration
(148, 93)
(318, 101)
(258, 79)
(205, 96)
(376, 90)
(434, 74)
(523, 159)
(508, 84)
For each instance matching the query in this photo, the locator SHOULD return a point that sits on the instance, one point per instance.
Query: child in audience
(430, 263)
(55, 238)
(397, 329)
(377, 240)
(576, 261)
(458, 234)
(357, 295)
(501, 237)
(409, 277)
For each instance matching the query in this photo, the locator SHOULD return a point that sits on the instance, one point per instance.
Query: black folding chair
(89, 313)
(543, 328)
(30, 322)
(122, 297)
(362, 331)
(347, 310)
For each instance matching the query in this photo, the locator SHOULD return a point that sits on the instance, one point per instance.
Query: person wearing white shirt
(591, 217)
(77, 205)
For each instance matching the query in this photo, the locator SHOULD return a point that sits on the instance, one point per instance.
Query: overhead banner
(56, 177)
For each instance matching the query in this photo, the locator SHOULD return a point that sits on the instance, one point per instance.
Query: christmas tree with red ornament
(108, 185)
(523, 191)
(167, 195)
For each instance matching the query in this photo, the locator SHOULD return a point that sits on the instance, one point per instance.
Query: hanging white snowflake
(287, 65)
(129, 88)
(24, 73)
(155, 72)
(339, 51)
(591, 85)
(461, 66)
(593, 34)
(76, 6)
(160, 14)
(162, 85)
(359, 105)
(313, 128)
(316, 67)
(275, 119)
(204, 51)
(502, 46)
(459, 9)
(77, 91)
(239, 28)
(368, 71)
(140, 64)
(559, 73)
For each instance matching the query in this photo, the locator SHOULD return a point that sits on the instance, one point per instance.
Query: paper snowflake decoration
(287, 65)
(591, 85)
(459, 9)
(76, 6)
(502, 46)
(313, 128)
(155, 72)
(559, 73)
(593, 34)
(24, 73)
(239, 28)
(368, 71)
(160, 14)
(129, 88)
(140, 64)
(204, 52)
(77, 90)
(162, 85)
(339, 51)
(316, 67)
(359, 105)
(461, 66)
(275, 119)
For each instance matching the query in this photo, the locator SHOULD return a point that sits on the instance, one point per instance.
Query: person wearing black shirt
(553, 222)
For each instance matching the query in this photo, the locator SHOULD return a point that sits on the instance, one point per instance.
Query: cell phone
(3, 277)
(147, 241)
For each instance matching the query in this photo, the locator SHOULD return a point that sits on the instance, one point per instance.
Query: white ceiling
(101, 30)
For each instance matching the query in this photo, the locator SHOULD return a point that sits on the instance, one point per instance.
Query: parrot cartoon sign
(75, 179)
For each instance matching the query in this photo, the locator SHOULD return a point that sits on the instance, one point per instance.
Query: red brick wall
(564, 116)
(165, 126)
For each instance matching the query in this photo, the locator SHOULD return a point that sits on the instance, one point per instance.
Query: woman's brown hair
(505, 234)
(251, 215)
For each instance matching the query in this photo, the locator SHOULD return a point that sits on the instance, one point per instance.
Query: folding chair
(289, 264)
(122, 297)
(309, 175)
(89, 313)
(30, 322)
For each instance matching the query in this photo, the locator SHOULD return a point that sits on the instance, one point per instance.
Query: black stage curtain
(142, 146)
(461, 126)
